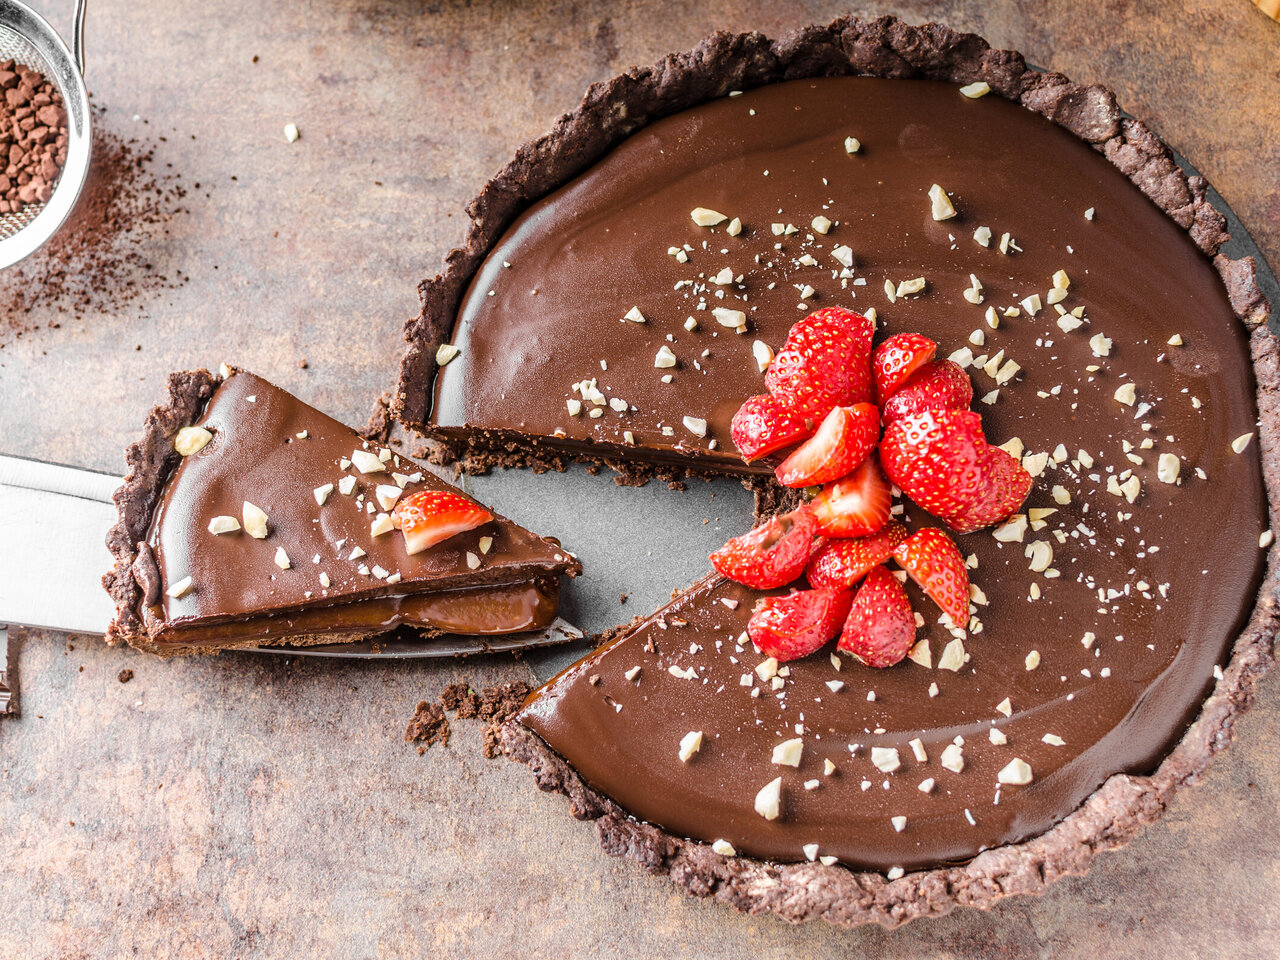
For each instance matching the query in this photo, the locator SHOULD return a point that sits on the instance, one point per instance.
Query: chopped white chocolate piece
(255, 521)
(191, 440)
(787, 753)
(997, 737)
(941, 206)
(690, 744)
(223, 525)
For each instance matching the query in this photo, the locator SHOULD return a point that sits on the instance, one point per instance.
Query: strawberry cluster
(830, 394)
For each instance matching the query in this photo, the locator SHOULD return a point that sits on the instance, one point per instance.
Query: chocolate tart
(320, 574)
(1148, 643)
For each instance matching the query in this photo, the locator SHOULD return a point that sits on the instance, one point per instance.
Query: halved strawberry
(931, 559)
(857, 505)
(881, 627)
(794, 626)
(897, 359)
(825, 363)
(1005, 485)
(941, 385)
(771, 555)
(842, 563)
(938, 459)
(843, 441)
(762, 425)
(431, 516)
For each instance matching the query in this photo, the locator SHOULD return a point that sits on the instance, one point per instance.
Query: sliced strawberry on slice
(881, 627)
(857, 505)
(931, 559)
(895, 360)
(842, 442)
(762, 426)
(431, 516)
(771, 555)
(825, 363)
(941, 385)
(938, 459)
(794, 626)
(1006, 485)
(839, 564)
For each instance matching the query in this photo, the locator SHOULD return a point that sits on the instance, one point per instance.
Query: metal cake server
(61, 516)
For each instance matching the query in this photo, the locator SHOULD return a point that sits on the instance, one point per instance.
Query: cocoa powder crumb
(492, 706)
(428, 726)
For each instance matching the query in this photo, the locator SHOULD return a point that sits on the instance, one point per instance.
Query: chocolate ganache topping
(1102, 349)
(321, 569)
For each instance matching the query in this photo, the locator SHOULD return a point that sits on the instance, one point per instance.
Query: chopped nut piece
(322, 493)
(696, 425)
(983, 236)
(908, 287)
(1088, 639)
(1053, 740)
(917, 749)
(690, 744)
(941, 206)
(255, 521)
(885, 759)
(1175, 340)
(921, 654)
(899, 823)
(704, 217)
(1031, 304)
(1005, 707)
(1016, 772)
(446, 352)
(828, 767)
(282, 559)
(381, 524)
(820, 224)
(180, 589)
(324, 579)
(953, 758)
(953, 656)
(810, 851)
(367, 462)
(1265, 538)
(1126, 393)
(1100, 345)
(1040, 553)
(844, 255)
(769, 800)
(387, 494)
(1239, 444)
(734, 228)
(1012, 530)
(724, 277)
(1088, 214)
(735, 319)
(852, 145)
(485, 544)
(763, 354)
(574, 406)
(346, 485)
(191, 440)
(473, 561)
(724, 848)
(1167, 468)
(635, 316)
(979, 88)
(223, 525)
(787, 753)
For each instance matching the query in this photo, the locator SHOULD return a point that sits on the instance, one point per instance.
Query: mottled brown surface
(253, 806)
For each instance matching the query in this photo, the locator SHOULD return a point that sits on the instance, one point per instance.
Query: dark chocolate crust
(614, 109)
(886, 47)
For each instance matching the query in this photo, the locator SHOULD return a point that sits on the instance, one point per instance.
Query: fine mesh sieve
(26, 37)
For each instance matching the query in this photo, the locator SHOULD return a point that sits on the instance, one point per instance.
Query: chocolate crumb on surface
(125, 675)
(378, 429)
(428, 726)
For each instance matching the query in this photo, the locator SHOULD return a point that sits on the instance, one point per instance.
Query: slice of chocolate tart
(248, 517)
(617, 278)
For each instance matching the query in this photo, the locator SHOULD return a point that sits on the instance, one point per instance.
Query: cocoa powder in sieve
(33, 137)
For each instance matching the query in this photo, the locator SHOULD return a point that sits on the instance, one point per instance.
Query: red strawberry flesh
(842, 442)
(794, 626)
(429, 517)
(763, 426)
(938, 459)
(842, 563)
(825, 363)
(895, 360)
(1005, 486)
(880, 628)
(932, 560)
(771, 555)
(941, 385)
(855, 506)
